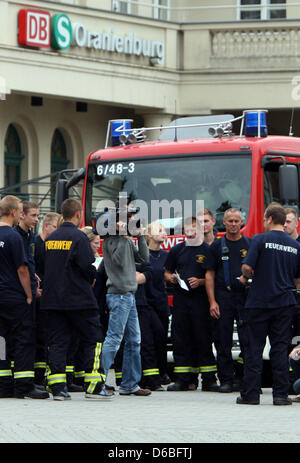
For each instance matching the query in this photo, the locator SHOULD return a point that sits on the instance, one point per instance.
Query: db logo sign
(34, 28)
(38, 29)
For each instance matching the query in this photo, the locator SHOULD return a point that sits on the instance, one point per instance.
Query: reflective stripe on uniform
(182, 369)
(69, 368)
(95, 377)
(23, 374)
(79, 374)
(208, 369)
(150, 372)
(56, 379)
(4, 373)
(40, 365)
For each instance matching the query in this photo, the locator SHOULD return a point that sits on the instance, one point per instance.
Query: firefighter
(227, 296)
(191, 333)
(69, 299)
(40, 364)
(16, 310)
(273, 262)
(209, 224)
(290, 227)
(157, 296)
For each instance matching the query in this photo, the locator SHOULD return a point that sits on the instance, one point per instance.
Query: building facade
(68, 67)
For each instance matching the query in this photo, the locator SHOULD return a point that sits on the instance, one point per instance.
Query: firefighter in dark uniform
(191, 333)
(157, 296)
(28, 220)
(290, 227)
(227, 295)
(275, 259)
(16, 310)
(70, 301)
(40, 364)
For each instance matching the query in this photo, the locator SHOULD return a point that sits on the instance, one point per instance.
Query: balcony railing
(181, 12)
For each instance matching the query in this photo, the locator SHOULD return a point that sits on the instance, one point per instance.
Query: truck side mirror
(61, 193)
(288, 183)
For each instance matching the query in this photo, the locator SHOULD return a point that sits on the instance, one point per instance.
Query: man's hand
(214, 310)
(29, 300)
(171, 278)
(243, 280)
(295, 352)
(195, 282)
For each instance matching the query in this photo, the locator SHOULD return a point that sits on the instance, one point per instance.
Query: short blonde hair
(8, 203)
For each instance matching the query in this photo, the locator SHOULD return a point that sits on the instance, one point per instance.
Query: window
(159, 12)
(261, 9)
(205, 177)
(121, 6)
(13, 157)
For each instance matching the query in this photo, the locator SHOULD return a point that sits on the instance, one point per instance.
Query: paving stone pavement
(163, 417)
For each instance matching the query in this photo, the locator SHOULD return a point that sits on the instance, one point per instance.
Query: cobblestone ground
(163, 417)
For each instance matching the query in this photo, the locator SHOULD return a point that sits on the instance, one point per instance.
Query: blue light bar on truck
(255, 123)
(120, 129)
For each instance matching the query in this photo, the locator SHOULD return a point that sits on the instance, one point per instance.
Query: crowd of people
(68, 315)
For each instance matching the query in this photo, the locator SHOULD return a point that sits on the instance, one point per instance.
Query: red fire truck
(194, 160)
(247, 171)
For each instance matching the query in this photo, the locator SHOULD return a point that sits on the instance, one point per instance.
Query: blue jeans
(123, 323)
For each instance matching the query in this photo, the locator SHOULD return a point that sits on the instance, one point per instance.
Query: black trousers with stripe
(60, 332)
(18, 345)
(192, 339)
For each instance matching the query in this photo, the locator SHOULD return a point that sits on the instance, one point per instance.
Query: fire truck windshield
(220, 180)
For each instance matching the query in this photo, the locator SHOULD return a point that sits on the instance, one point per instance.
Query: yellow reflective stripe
(12, 364)
(70, 369)
(79, 374)
(23, 374)
(95, 377)
(55, 379)
(40, 365)
(150, 372)
(5, 373)
(240, 360)
(208, 369)
(182, 369)
(118, 374)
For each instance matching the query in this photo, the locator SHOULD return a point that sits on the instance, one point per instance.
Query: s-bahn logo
(38, 29)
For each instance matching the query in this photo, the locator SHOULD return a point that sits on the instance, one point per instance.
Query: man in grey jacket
(120, 255)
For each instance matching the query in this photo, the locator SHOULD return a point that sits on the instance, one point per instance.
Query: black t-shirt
(12, 256)
(155, 288)
(275, 258)
(237, 252)
(29, 247)
(189, 261)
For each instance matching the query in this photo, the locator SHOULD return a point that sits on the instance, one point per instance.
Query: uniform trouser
(160, 323)
(150, 370)
(41, 354)
(257, 325)
(61, 325)
(230, 304)
(17, 329)
(192, 340)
